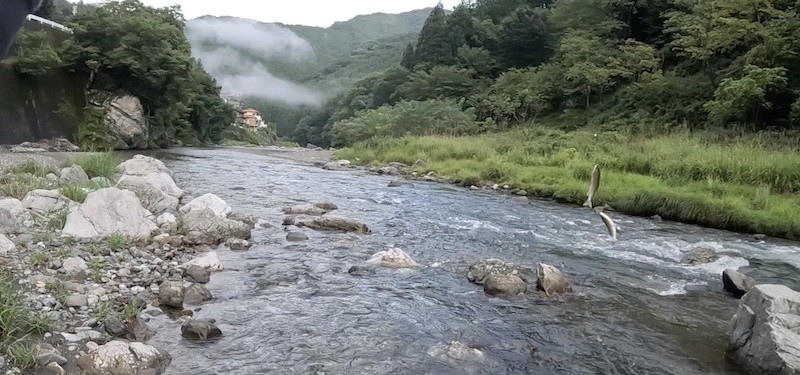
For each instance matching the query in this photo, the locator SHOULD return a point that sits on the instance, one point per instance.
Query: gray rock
(114, 326)
(326, 205)
(550, 280)
(73, 174)
(151, 197)
(153, 171)
(245, 218)
(208, 202)
(209, 261)
(137, 330)
(238, 244)
(333, 166)
(43, 203)
(736, 282)
(399, 183)
(14, 218)
(390, 171)
(305, 209)
(504, 285)
(200, 329)
(101, 181)
(120, 357)
(335, 223)
(759, 237)
(6, 246)
(77, 300)
(198, 274)
(107, 212)
(214, 228)
(196, 294)
(521, 193)
(393, 258)
(699, 255)
(170, 293)
(74, 266)
(296, 236)
(480, 271)
(53, 368)
(763, 332)
(127, 123)
(289, 220)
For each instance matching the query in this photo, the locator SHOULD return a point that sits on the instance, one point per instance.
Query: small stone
(759, 237)
(296, 236)
(521, 193)
(196, 294)
(198, 274)
(200, 329)
(238, 244)
(53, 368)
(77, 300)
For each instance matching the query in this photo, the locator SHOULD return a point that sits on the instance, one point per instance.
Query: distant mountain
(299, 65)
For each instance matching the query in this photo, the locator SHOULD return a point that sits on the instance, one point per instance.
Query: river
(292, 308)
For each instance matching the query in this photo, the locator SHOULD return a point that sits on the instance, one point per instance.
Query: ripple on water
(293, 308)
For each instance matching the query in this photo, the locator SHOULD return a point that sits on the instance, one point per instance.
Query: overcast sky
(295, 12)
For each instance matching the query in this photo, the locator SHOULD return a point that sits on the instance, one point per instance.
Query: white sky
(295, 12)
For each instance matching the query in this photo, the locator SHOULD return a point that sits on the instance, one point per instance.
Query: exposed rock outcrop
(153, 171)
(763, 332)
(335, 223)
(205, 227)
(110, 211)
(151, 197)
(127, 123)
(504, 285)
(208, 201)
(737, 283)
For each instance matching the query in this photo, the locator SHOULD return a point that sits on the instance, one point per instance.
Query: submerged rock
(763, 332)
(455, 351)
(700, 255)
(736, 282)
(296, 236)
(550, 280)
(399, 183)
(480, 271)
(200, 329)
(335, 223)
(120, 357)
(213, 228)
(504, 285)
(393, 258)
(238, 244)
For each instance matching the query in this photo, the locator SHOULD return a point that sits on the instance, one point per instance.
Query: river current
(292, 308)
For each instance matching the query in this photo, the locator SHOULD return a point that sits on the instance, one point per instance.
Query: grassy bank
(747, 183)
(17, 326)
(30, 175)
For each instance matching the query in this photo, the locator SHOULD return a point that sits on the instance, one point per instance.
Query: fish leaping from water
(612, 228)
(593, 186)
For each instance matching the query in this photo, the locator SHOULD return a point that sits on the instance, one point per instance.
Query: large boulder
(73, 174)
(110, 211)
(479, 272)
(550, 280)
(209, 261)
(393, 258)
(335, 223)
(736, 282)
(208, 201)
(127, 123)
(42, 203)
(119, 357)
(153, 171)
(170, 293)
(14, 218)
(151, 197)
(205, 227)
(763, 332)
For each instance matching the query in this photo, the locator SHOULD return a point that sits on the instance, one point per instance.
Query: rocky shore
(98, 269)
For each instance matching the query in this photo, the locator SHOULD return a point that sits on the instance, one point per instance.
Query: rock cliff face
(37, 108)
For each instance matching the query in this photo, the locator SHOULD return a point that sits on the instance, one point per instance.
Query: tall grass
(17, 325)
(97, 164)
(746, 183)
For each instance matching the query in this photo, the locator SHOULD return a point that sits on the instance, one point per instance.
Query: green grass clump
(746, 183)
(98, 164)
(35, 168)
(17, 326)
(18, 185)
(116, 242)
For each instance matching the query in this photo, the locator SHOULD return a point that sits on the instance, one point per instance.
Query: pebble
(77, 300)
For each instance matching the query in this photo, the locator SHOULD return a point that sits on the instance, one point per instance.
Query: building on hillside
(250, 118)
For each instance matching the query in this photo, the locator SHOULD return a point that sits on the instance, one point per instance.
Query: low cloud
(219, 44)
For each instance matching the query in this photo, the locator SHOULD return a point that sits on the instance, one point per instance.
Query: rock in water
(699, 255)
(170, 293)
(737, 283)
(763, 333)
(394, 258)
(504, 285)
(120, 357)
(208, 201)
(335, 223)
(110, 211)
(480, 271)
(296, 236)
(197, 274)
(210, 262)
(550, 280)
(200, 329)
(212, 228)
(305, 209)
(238, 244)
(326, 205)
(455, 351)
(196, 294)
(137, 330)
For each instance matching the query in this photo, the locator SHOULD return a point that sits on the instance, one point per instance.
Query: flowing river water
(292, 308)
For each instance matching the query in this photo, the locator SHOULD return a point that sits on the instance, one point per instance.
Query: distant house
(250, 118)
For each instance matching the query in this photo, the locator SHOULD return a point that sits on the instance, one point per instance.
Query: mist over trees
(631, 64)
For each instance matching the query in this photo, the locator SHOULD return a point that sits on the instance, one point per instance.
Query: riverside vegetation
(690, 105)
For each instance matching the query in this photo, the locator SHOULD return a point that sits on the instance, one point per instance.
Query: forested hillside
(605, 63)
(287, 70)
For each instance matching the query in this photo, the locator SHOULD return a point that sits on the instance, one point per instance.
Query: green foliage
(434, 46)
(753, 184)
(39, 258)
(57, 220)
(36, 54)
(235, 135)
(738, 98)
(17, 324)
(33, 167)
(116, 242)
(441, 82)
(407, 117)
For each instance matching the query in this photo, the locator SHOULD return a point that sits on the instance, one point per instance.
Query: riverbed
(292, 308)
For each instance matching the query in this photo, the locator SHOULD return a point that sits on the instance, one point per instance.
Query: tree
(742, 98)
(409, 57)
(434, 46)
(524, 39)
(589, 65)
